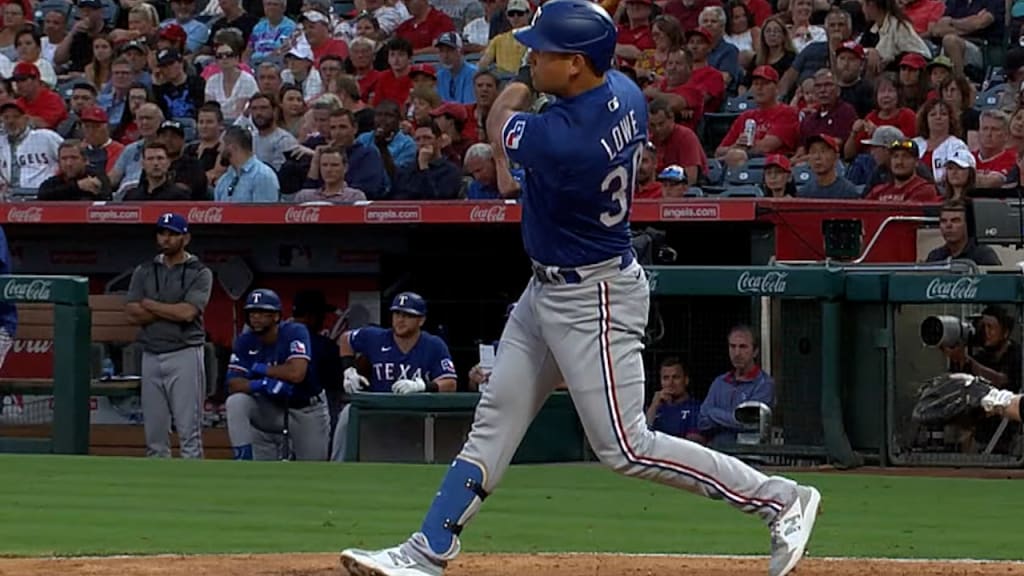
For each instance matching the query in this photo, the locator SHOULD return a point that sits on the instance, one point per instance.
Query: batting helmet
(572, 27)
(262, 299)
(409, 303)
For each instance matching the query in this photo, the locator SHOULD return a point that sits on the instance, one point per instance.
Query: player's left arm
(512, 100)
(294, 368)
(194, 302)
(446, 378)
(238, 367)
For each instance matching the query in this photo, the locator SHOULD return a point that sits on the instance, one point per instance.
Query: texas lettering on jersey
(428, 359)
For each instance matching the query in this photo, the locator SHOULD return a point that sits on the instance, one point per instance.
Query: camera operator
(997, 359)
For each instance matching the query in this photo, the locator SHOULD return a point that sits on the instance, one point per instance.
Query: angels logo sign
(297, 347)
(515, 135)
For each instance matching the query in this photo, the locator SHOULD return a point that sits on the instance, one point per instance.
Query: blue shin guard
(242, 452)
(457, 501)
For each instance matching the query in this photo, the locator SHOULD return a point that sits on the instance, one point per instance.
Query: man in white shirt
(28, 156)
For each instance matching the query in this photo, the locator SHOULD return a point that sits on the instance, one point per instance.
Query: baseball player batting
(273, 387)
(582, 315)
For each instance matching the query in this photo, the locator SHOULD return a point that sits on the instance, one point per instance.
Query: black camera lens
(932, 331)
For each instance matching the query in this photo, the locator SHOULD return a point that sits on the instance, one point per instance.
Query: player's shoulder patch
(297, 347)
(447, 365)
(234, 359)
(514, 134)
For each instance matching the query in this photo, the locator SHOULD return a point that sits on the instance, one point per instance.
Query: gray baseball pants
(174, 390)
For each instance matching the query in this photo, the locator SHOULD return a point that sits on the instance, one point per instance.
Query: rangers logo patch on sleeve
(447, 365)
(515, 134)
(234, 359)
(297, 347)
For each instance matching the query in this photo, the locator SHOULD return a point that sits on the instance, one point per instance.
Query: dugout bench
(381, 426)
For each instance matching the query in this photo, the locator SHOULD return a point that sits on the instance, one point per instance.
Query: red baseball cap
(24, 70)
(456, 111)
(703, 32)
(93, 114)
(914, 60)
(851, 46)
(766, 73)
(778, 160)
(830, 141)
(425, 69)
(11, 103)
(174, 33)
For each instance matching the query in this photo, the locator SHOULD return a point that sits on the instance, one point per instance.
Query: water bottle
(108, 369)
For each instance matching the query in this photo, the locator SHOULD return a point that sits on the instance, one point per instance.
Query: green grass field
(99, 506)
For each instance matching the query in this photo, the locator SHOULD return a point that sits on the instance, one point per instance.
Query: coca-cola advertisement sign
(19, 290)
(302, 215)
(485, 213)
(209, 215)
(762, 283)
(959, 289)
(25, 214)
(114, 214)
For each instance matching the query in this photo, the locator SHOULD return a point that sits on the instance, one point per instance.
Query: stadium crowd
(314, 101)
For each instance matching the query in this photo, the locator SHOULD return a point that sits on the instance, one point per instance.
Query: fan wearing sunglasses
(906, 185)
(504, 51)
(232, 86)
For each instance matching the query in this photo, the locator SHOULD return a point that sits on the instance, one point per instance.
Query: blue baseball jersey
(428, 359)
(8, 310)
(293, 341)
(678, 419)
(580, 158)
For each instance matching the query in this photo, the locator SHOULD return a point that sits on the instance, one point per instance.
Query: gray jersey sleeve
(198, 294)
(137, 288)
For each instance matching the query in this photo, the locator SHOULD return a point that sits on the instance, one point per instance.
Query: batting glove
(277, 387)
(406, 386)
(354, 382)
(257, 385)
(258, 370)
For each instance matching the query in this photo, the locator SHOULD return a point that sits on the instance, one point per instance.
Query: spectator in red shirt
(423, 76)
(886, 113)
(317, 27)
(648, 188)
(776, 125)
(688, 11)
(831, 116)
(906, 184)
(395, 83)
(995, 160)
(705, 79)
(426, 24)
(761, 10)
(923, 13)
(676, 144)
(1016, 140)
(360, 60)
(635, 36)
(675, 87)
(44, 107)
(101, 151)
(485, 88)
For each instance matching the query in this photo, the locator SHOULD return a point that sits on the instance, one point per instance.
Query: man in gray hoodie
(166, 298)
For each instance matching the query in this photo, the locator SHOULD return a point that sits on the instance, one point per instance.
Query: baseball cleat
(388, 562)
(792, 530)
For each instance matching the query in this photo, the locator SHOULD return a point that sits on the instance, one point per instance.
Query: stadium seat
(426, 59)
(716, 126)
(802, 174)
(715, 173)
(739, 104)
(744, 175)
(743, 191)
(474, 57)
(694, 192)
(990, 98)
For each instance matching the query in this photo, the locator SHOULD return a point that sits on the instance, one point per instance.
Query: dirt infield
(494, 565)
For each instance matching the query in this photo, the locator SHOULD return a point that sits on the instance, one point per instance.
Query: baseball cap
(702, 32)
(172, 125)
(409, 303)
(914, 60)
(884, 136)
(24, 71)
(830, 141)
(851, 46)
(301, 51)
(97, 4)
(174, 222)
(449, 39)
(765, 73)
(11, 103)
(673, 174)
(133, 45)
(453, 109)
(778, 160)
(517, 6)
(315, 16)
(174, 33)
(941, 60)
(93, 114)
(904, 144)
(963, 159)
(310, 302)
(168, 56)
(425, 69)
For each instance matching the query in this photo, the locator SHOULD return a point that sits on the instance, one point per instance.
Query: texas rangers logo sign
(515, 135)
(447, 365)
(298, 347)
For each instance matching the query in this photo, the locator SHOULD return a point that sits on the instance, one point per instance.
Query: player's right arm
(136, 293)
(350, 343)
(238, 367)
(512, 100)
